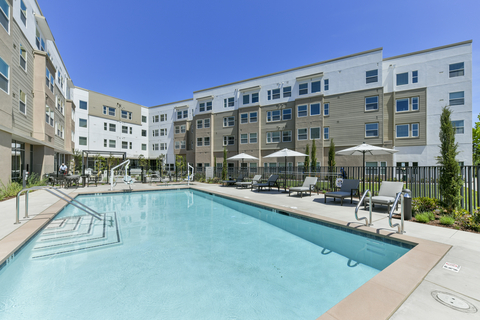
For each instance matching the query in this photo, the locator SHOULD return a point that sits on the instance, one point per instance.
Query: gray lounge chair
(387, 193)
(233, 181)
(348, 189)
(271, 182)
(246, 184)
(307, 186)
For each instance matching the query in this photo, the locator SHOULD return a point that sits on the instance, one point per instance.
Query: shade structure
(242, 156)
(363, 149)
(285, 153)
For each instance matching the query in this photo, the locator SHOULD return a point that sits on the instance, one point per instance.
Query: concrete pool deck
(401, 291)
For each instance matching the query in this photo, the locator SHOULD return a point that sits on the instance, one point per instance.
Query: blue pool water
(186, 254)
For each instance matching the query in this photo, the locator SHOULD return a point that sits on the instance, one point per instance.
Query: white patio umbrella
(365, 149)
(285, 153)
(243, 157)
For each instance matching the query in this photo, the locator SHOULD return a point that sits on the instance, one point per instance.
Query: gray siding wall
(220, 131)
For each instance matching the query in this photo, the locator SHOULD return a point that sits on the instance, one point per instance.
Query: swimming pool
(187, 254)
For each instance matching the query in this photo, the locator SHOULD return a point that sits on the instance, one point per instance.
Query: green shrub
(425, 217)
(10, 190)
(424, 204)
(447, 220)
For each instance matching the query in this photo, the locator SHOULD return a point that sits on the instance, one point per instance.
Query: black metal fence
(421, 181)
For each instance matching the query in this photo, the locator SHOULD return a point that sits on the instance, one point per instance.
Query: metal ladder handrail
(91, 212)
(399, 225)
(367, 223)
(126, 162)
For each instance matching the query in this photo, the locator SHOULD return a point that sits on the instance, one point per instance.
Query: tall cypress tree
(450, 180)
(331, 161)
(314, 156)
(306, 165)
(224, 168)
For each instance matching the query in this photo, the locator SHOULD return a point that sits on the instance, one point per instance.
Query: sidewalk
(465, 250)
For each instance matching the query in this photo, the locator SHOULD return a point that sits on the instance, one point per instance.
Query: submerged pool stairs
(77, 234)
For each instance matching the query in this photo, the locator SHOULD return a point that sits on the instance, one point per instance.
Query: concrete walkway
(465, 250)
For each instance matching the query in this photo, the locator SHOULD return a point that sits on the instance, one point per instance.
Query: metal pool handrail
(367, 223)
(399, 225)
(86, 209)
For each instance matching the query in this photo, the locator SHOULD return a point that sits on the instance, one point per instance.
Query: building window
(199, 124)
(302, 111)
(229, 102)
(314, 133)
(255, 97)
(23, 102)
(182, 144)
(125, 129)
(402, 130)
(456, 98)
(243, 138)
(130, 130)
(183, 128)
(244, 118)
(415, 103)
(326, 133)
(83, 105)
(199, 142)
(458, 126)
(177, 144)
(177, 129)
(82, 123)
(371, 76)
(105, 126)
(155, 147)
(287, 136)
(326, 85)
(253, 117)
(273, 137)
(228, 140)
(182, 114)
(315, 86)
(163, 117)
(155, 118)
(315, 109)
(402, 78)
(228, 121)
(273, 116)
(287, 114)
(144, 133)
(302, 134)
(49, 115)
(112, 143)
(163, 132)
(205, 106)
(303, 89)
(253, 137)
(206, 123)
(246, 99)
(130, 145)
(112, 127)
(402, 105)
(109, 111)
(456, 70)
(23, 12)
(105, 143)
(371, 130)
(155, 133)
(82, 141)
(371, 103)
(144, 146)
(273, 94)
(124, 145)
(206, 141)
(23, 58)
(4, 74)
(326, 109)
(287, 92)
(415, 130)
(414, 76)
(4, 14)
(126, 115)
(144, 119)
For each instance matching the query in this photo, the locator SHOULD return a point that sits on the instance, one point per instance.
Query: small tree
(224, 168)
(476, 142)
(306, 165)
(331, 160)
(314, 156)
(215, 165)
(450, 181)
(77, 157)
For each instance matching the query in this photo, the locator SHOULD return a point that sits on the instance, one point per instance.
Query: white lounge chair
(348, 189)
(307, 186)
(246, 184)
(387, 193)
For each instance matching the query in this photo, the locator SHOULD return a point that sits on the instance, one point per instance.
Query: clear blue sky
(155, 52)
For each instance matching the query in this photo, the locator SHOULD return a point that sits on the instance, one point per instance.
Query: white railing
(124, 163)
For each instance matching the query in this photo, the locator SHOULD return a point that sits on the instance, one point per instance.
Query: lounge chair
(246, 184)
(348, 189)
(271, 182)
(387, 193)
(307, 186)
(233, 181)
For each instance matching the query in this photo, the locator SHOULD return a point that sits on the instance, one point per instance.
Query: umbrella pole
(363, 165)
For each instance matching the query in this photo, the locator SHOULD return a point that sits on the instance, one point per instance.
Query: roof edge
(428, 50)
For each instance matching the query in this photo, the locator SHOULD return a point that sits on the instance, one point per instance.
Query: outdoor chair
(348, 189)
(307, 186)
(246, 184)
(387, 194)
(93, 178)
(233, 181)
(271, 182)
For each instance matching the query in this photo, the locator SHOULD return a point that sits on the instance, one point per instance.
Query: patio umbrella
(285, 153)
(242, 156)
(365, 149)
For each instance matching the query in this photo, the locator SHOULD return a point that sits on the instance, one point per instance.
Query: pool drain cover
(454, 302)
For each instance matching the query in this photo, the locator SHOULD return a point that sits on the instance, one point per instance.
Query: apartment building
(36, 110)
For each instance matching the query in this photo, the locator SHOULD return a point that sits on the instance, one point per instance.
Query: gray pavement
(419, 305)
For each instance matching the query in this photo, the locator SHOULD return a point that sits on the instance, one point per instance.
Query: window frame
(229, 102)
(415, 76)
(206, 141)
(227, 140)
(228, 121)
(326, 109)
(270, 137)
(7, 16)
(302, 111)
(287, 93)
(461, 101)
(372, 103)
(24, 102)
(456, 128)
(80, 123)
(453, 73)
(108, 111)
(319, 133)
(6, 77)
(255, 119)
(200, 124)
(303, 88)
(200, 142)
(206, 123)
(319, 109)
(377, 130)
(318, 86)
(371, 78)
(243, 118)
(326, 133)
(287, 136)
(81, 102)
(287, 115)
(326, 84)
(298, 134)
(401, 76)
(250, 137)
(242, 138)
(271, 116)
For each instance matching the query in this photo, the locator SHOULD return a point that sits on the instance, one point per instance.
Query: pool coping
(378, 298)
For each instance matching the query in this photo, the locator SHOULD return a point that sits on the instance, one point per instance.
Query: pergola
(85, 154)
